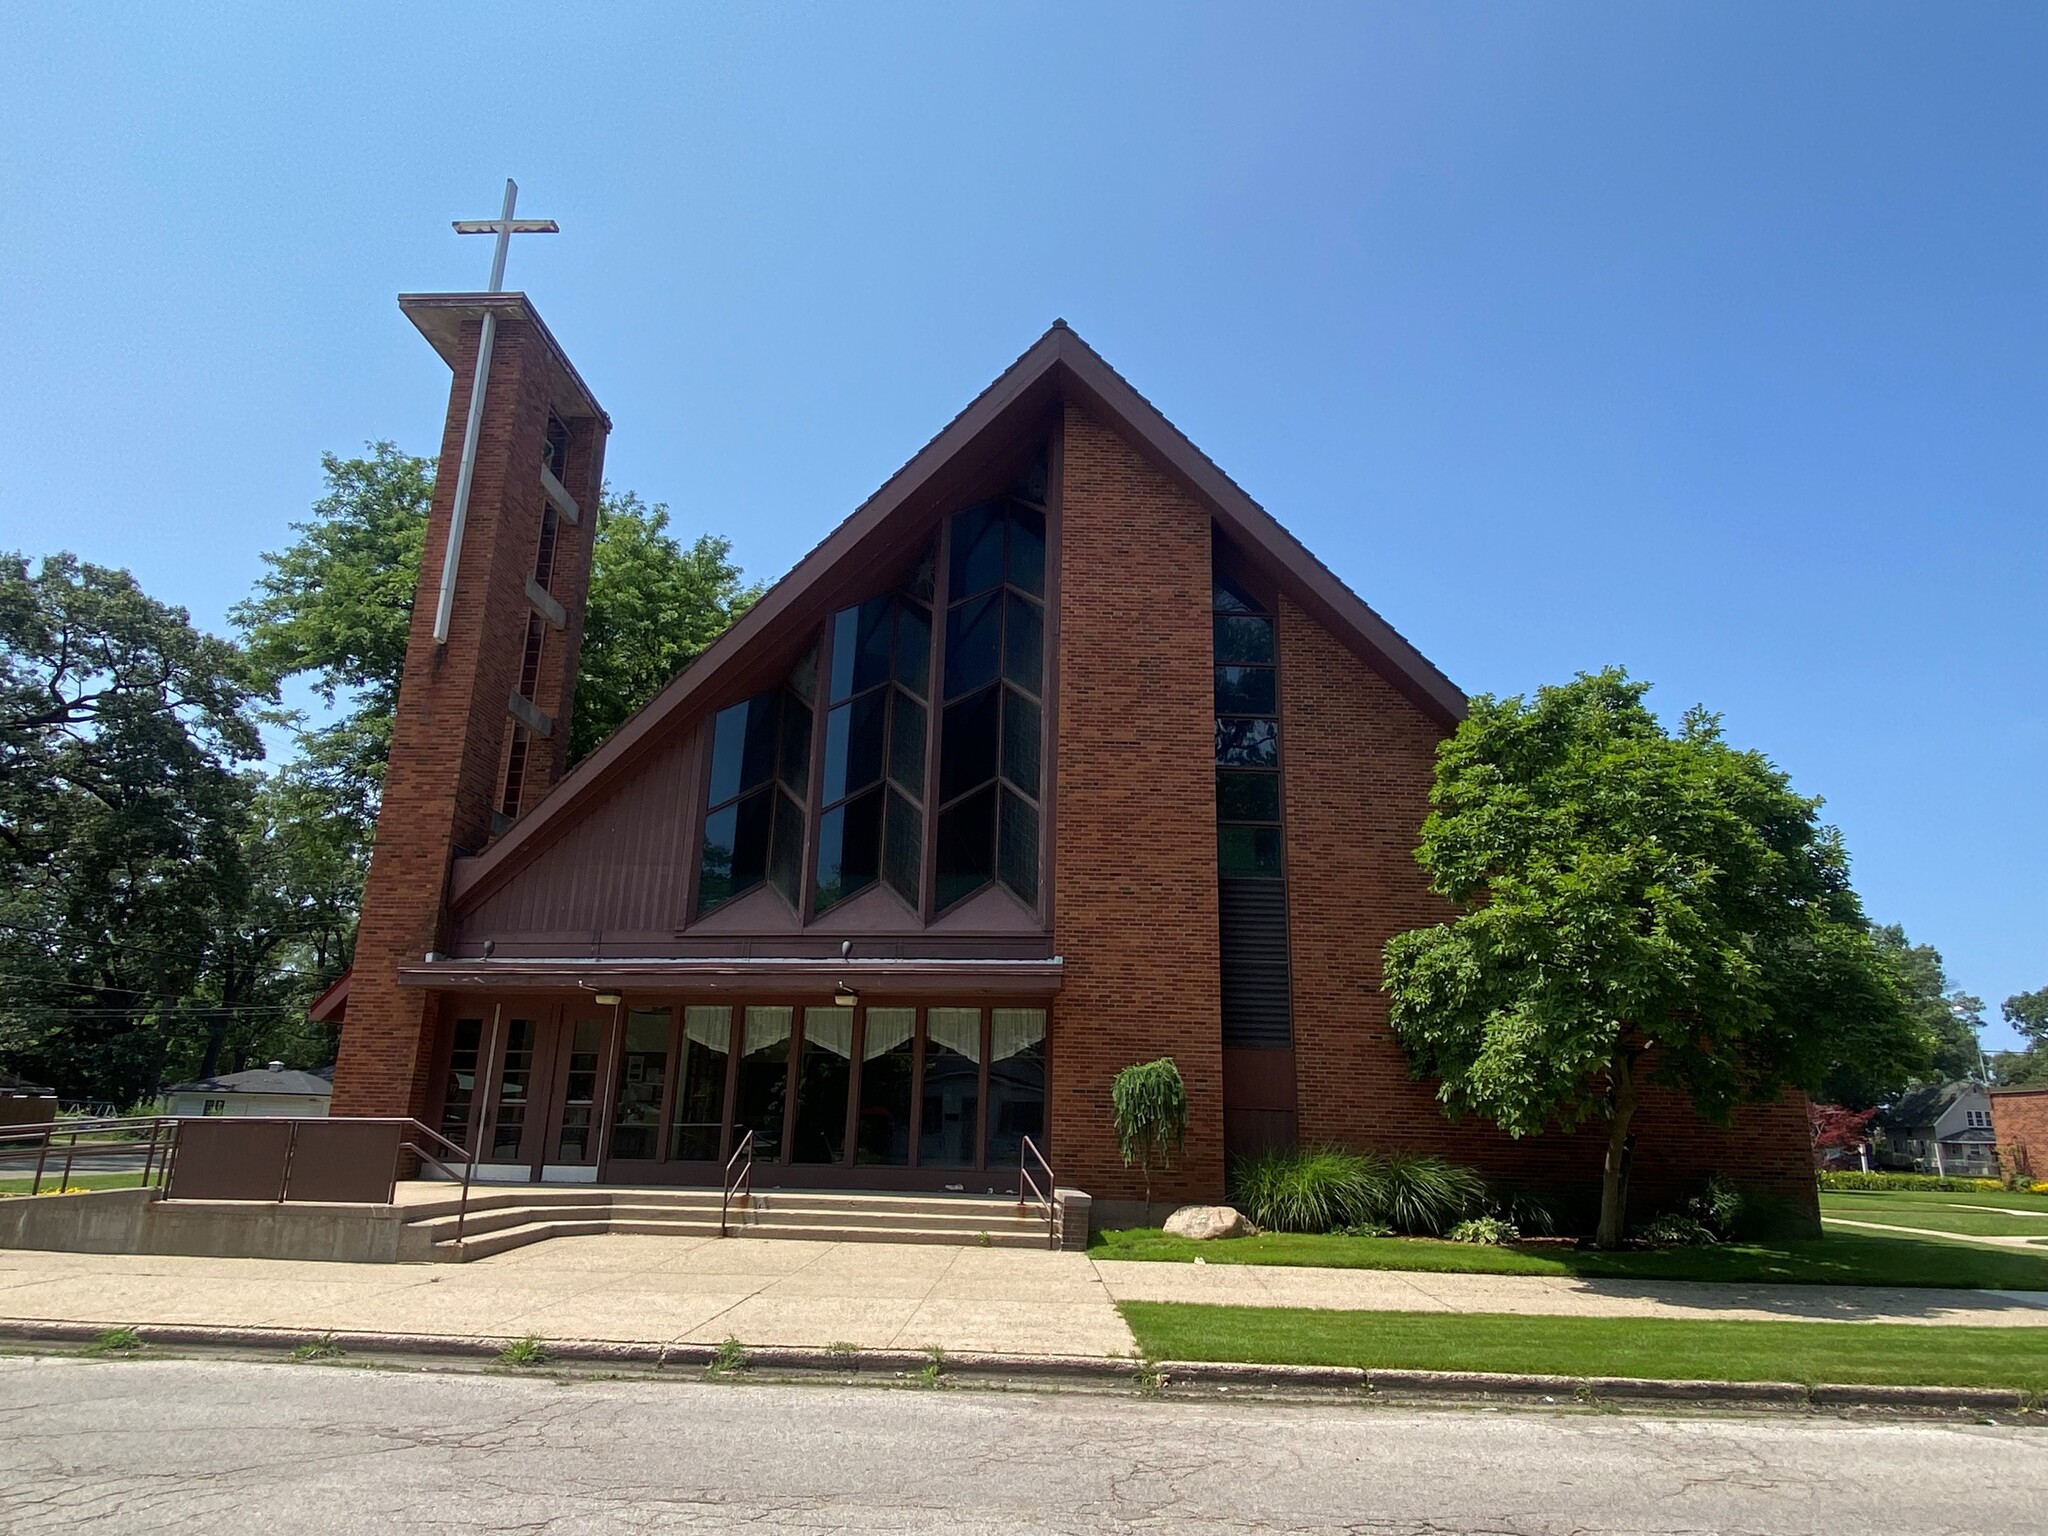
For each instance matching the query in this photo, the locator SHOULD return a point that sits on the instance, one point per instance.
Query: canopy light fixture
(845, 996)
(609, 999)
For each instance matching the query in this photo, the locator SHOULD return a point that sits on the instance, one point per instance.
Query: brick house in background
(2019, 1127)
(1059, 754)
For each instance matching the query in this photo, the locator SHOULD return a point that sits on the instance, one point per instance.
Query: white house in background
(271, 1090)
(1940, 1128)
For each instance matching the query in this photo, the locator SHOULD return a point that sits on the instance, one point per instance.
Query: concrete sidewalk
(872, 1295)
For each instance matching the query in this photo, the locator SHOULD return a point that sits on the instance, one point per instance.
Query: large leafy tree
(1638, 905)
(2026, 1012)
(1947, 1021)
(335, 607)
(655, 605)
(121, 726)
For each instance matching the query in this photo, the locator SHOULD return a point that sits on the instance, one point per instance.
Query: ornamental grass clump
(1424, 1196)
(1333, 1189)
(1305, 1189)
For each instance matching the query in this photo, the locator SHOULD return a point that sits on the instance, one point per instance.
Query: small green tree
(1638, 905)
(1149, 1105)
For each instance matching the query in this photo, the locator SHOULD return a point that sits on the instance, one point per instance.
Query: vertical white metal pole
(444, 609)
(451, 558)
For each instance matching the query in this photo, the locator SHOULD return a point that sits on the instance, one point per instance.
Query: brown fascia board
(440, 316)
(1060, 360)
(332, 1003)
(893, 978)
(1299, 573)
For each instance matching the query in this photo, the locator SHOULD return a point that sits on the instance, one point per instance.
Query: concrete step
(507, 1238)
(507, 1217)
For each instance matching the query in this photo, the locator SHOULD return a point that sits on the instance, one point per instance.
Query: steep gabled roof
(1058, 365)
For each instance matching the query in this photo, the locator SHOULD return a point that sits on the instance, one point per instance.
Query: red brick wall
(1134, 877)
(1358, 759)
(2019, 1120)
(449, 735)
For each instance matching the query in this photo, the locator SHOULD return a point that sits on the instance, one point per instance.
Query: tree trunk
(1621, 1096)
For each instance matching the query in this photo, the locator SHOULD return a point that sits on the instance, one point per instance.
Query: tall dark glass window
(871, 797)
(1250, 861)
(991, 732)
(760, 780)
(1247, 737)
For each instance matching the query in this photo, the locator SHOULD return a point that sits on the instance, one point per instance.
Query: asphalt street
(227, 1446)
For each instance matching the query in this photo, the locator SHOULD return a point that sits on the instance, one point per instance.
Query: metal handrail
(161, 1146)
(42, 1140)
(743, 1159)
(1043, 1197)
(468, 1168)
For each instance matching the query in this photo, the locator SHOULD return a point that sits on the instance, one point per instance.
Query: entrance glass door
(506, 1113)
(697, 1127)
(762, 1091)
(580, 1073)
(643, 1084)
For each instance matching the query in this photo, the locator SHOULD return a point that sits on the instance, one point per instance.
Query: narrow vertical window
(991, 729)
(871, 794)
(1250, 855)
(760, 772)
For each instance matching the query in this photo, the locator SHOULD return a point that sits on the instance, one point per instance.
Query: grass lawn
(1901, 1354)
(19, 1184)
(1842, 1257)
(1942, 1212)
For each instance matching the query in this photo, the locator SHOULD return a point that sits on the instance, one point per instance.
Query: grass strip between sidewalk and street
(1892, 1354)
(1840, 1258)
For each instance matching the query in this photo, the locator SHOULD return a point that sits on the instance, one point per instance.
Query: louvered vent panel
(1257, 1009)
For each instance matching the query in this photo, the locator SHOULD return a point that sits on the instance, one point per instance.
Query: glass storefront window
(952, 1088)
(1016, 1082)
(699, 1117)
(643, 1073)
(888, 1060)
(824, 1078)
(763, 1080)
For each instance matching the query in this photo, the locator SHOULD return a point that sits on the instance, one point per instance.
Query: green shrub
(1720, 1208)
(1305, 1189)
(1852, 1179)
(1328, 1189)
(1362, 1229)
(1674, 1231)
(1485, 1229)
(1148, 1106)
(1526, 1210)
(1423, 1196)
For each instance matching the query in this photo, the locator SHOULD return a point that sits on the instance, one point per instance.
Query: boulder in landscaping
(1203, 1222)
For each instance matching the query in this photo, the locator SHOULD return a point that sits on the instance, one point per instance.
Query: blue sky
(1710, 340)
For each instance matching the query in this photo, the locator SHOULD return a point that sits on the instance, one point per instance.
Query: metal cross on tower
(504, 226)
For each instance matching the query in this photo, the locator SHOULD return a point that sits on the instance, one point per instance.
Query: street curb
(1158, 1376)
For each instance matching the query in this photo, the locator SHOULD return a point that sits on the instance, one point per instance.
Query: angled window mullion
(814, 810)
(935, 709)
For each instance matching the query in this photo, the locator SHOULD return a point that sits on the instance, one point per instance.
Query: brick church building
(1060, 753)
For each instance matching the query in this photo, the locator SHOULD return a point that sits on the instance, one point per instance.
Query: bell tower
(481, 728)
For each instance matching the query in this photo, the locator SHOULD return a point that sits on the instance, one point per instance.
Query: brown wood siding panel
(618, 870)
